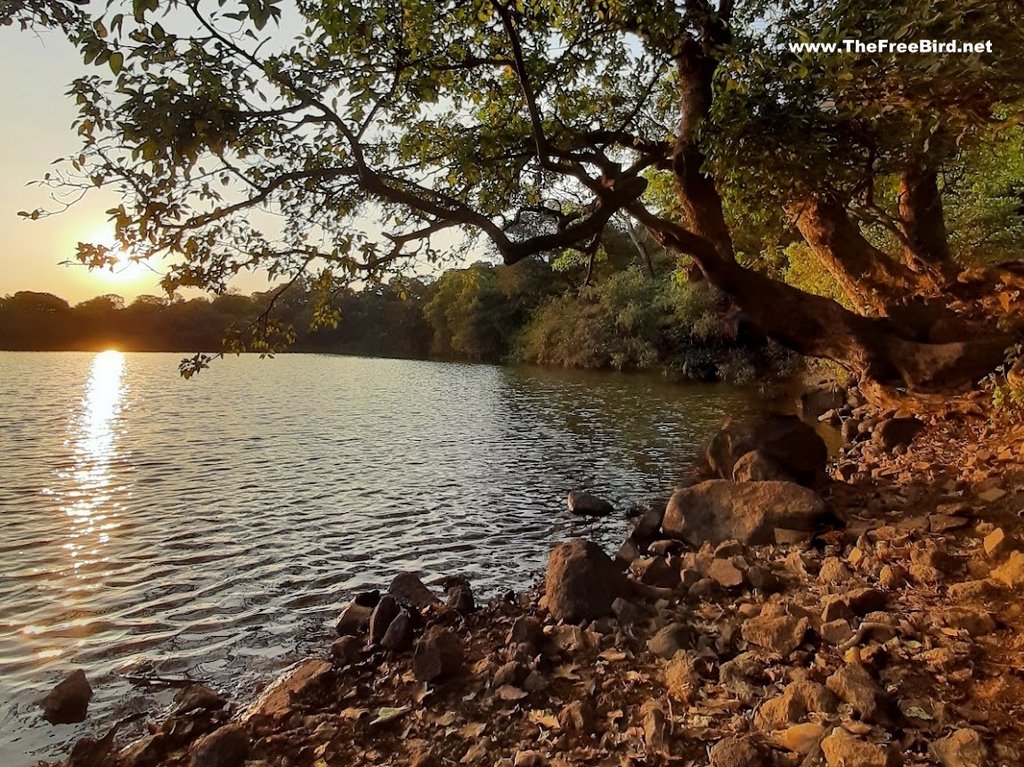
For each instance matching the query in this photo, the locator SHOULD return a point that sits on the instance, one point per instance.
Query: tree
(534, 122)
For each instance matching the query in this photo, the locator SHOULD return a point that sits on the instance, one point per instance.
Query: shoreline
(888, 641)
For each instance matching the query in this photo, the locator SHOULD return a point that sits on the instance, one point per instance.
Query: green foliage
(1006, 385)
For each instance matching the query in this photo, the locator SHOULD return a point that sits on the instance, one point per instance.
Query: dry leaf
(544, 719)
(475, 753)
(446, 719)
(354, 713)
(612, 655)
(508, 692)
(566, 672)
(473, 730)
(389, 714)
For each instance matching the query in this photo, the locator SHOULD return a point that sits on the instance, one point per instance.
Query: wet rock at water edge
(197, 696)
(588, 505)
(68, 702)
(385, 612)
(755, 466)
(410, 591)
(438, 655)
(459, 595)
(399, 634)
(227, 747)
(354, 620)
(749, 512)
(582, 582)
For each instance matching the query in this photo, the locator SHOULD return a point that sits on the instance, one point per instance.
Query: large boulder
(582, 582)
(784, 440)
(721, 510)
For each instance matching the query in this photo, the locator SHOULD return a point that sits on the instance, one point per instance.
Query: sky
(35, 129)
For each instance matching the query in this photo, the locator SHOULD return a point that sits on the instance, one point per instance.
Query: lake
(213, 528)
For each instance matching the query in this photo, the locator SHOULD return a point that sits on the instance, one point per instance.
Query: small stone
(526, 630)
(656, 571)
(438, 654)
(535, 682)
(586, 504)
(962, 748)
(984, 590)
(836, 632)
(855, 685)
(656, 729)
(794, 705)
(842, 749)
(836, 608)
(833, 572)
(996, 543)
(726, 573)
(866, 600)
(891, 577)
(992, 494)
(226, 747)
(648, 525)
(764, 580)
(739, 675)
(629, 613)
(940, 523)
(681, 677)
(974, 622)
(68, 702)
(670, 640)
(729, 549)
(705, 590)
(780, 635)
(1011, 572)
(459, 596)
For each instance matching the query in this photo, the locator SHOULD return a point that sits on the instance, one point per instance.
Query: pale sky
(35, 129)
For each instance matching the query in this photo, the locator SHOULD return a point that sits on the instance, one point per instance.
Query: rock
(819, 400)
(719, 510)
(670, 640)
(991, 494)
(865, 600)
(833, 572)
(1011, 572)
(793, 706)
(354, 620)
(399, 634)
(726, 574)
(529, 759)
(784, 440)
(425, 759)
(526, 630)
(738, 751)
(974, 622)
(276, 701)
(346, 650)
(68, 702)
(648, 525)
(226, 747)
(842, 749)
(410, 591)
(582, 582)
(755, 466)
(800, 738)
(996, 543)
(740, 674)
(367, 598)
(836, 632)
(656, 571)
(665, 546)
(385, 612)
(983, 590)
(656, 729)
(628, 553)
(891, 577)
(780, 635)
(962, 748)
(681, 677)
(585, 504)
(438, 654)
(459, 595)
(896, 432)
(764, 580)
(940, 523)
(197, 696)
(629, 613)
(855, 685)
(578, 717)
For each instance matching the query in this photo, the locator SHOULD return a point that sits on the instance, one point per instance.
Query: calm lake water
(213, 528)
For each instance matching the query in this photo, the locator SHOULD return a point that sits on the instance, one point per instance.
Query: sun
(125, 272)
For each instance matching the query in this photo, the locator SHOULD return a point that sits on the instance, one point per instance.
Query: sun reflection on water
(94, 431)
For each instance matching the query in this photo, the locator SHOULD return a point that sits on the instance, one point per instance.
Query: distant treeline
(644, 316)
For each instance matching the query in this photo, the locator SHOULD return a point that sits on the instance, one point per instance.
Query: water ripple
(213, 528)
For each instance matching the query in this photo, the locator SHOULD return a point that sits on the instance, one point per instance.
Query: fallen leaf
(508, 692)
(446, 719)
(544, 719)
(354, 713)
(566, 672)
(917, 712)
(475, 752)
(473, 730)
(613, 655)
(389, 714)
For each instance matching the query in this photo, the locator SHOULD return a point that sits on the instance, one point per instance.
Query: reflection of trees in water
(607, 430)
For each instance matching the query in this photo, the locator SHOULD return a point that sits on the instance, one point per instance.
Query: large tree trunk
(873, 348)
(871, 279)
(922, 222)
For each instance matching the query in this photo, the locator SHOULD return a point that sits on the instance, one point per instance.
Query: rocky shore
(784, 609)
